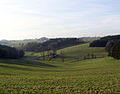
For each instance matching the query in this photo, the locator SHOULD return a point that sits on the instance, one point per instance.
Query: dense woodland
(116, 50)
(104, 40)
(113, 48)
(10, 52)
(52, 44)
(111, 44)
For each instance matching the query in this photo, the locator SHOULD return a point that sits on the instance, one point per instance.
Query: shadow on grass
(31, 57)
(25, 62)
(16, 68)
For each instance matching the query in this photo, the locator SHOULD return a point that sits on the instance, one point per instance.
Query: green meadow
(32, 75)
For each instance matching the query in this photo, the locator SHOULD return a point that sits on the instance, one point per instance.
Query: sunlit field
(90, 76)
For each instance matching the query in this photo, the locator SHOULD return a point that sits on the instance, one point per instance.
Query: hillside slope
(34, 76)
(82, 50)
(73, 53)
(89, 76)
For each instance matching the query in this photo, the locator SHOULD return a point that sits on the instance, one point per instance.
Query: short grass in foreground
(89, 76)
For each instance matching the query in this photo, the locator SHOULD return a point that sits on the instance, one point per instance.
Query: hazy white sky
(24, 19)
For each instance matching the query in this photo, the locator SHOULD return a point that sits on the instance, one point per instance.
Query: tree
(62, 56)
(92, 56)
(109, 46)
(116, 51)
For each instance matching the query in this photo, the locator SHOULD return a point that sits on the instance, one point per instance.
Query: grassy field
(74, 53)
(33, 76)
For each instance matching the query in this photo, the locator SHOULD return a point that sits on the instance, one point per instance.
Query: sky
(29, 19)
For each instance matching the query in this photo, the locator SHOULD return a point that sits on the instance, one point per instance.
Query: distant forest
(102, 42)
(111, 44)
(12, 42)
(52, 44)
(10, 52)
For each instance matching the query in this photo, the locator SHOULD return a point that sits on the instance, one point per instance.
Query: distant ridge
(10, 42)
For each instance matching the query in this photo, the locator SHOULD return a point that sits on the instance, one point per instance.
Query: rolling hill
(34, 76)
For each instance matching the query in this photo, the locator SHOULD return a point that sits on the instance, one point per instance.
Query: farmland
(32, 75)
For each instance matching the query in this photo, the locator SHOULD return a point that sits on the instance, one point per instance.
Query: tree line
(113, 48)
(52, 44)
(102, 42)
(111, 44)
(10, 52)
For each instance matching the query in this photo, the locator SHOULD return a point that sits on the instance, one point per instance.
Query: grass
(34, 76)
(79, 51)
(82, 50)
(74, 53)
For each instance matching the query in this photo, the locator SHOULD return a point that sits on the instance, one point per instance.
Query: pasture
(32, 75)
